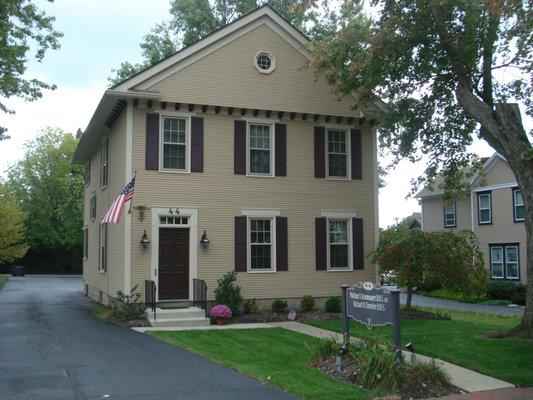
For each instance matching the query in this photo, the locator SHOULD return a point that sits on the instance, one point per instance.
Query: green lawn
(462, 341)
(3, 279)
(273, 356)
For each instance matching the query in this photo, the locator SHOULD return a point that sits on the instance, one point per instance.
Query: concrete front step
(181, 317)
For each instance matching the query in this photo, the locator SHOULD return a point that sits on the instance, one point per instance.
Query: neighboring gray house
(494, 211)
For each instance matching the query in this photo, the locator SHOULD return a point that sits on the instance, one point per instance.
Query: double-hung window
(260, 149)
(92, 207)
(450, 218)
(102, 246)
(338, 153)
(484, 205)
(339, 247)
(104, 170)
(504, 261)
(175, 142)
(518, 206)
(261, 244)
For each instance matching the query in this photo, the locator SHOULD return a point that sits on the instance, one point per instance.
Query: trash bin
(17, 270)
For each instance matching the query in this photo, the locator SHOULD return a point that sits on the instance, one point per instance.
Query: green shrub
(519, 296)
(228, 293)
(125, 307)
(250, 307)
(307, 303)
(457, 296)
(500, 290)
(325, 348)
(333, 304)
(279, 306)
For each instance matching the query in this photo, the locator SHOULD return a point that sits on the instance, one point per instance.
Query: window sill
(485, 223)
(102, 188)
(175, 171)
(102, 271)
(519, 220)
(260, 175)
(261, 271)
(339, 270)
(338, 178)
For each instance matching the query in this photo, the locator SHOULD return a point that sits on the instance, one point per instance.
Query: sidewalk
(502, 394)
(465, 379)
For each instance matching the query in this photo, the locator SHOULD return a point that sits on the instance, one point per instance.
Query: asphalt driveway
(52, 348)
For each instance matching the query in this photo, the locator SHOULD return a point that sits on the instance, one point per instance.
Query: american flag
(114, 213)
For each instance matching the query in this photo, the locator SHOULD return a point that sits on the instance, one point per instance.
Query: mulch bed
(415, 313)
(350, 368)
(269, 316)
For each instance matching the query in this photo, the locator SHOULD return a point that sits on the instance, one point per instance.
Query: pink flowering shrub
(220, 311)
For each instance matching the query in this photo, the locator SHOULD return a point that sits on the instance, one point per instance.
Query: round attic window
(265, 62)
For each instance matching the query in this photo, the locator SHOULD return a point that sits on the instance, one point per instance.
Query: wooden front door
(173, 263)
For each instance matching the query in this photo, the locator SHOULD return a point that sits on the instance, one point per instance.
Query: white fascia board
(486, 168)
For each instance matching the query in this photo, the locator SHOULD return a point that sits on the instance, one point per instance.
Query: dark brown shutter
(152, 141)
(240, 244)
(197, 144)
(321, 244)
(281, 150)
(282, 251)
(239, 156)
(358, 251)
(320, 152)
(357, 162)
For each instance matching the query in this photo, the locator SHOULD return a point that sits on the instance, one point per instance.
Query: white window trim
(273, 266)
(187, 118)
(502, 263)
(272, 62)
(85, 230)
(454, 213)
(350, 245)
(514, 278)
(479, 209)
(261, 212)
(348, 154)
(91, 216)
(272, 147)
(103, 228)
(106, 142)
(515, 205)
(334, 214)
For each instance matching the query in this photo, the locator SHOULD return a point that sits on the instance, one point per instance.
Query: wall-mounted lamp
(145, 242)
(204, 241)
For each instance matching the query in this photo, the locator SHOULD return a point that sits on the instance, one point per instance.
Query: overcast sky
(98, 36)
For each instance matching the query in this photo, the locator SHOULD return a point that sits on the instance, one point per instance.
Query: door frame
(192, 214)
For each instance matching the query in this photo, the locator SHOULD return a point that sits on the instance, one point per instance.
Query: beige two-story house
(494, 211)
(243, 160)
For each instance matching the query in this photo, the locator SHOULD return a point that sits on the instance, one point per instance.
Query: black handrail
(199, 298)
(149, 296)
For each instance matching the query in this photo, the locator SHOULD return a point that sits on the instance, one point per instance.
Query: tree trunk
(515, 147)
(409, 298)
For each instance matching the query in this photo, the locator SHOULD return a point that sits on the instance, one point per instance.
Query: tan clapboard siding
(228, 77)
(219, 195)
(433, 215)
(113, 280)
(499, 173)
(503, 229)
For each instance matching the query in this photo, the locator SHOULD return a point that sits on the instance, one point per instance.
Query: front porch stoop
(177, 317)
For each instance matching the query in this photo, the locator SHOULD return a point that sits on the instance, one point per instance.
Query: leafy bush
(457, 296)
(519, 296)
(250, 306)
(125, 307)
(279, 306)
(228, 293)
(500, 290)
(307, 303)
(325, 348)
(220, 311)
(333, 304)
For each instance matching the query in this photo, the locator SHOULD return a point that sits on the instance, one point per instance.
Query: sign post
(371, 305)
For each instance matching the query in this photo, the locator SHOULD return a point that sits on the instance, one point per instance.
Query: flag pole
(131, 200)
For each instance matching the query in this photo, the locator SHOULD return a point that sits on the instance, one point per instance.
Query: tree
(438, 66)
(50, 191)
(12, 245)
(191, 20)
(22, 24)
(416, 257)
